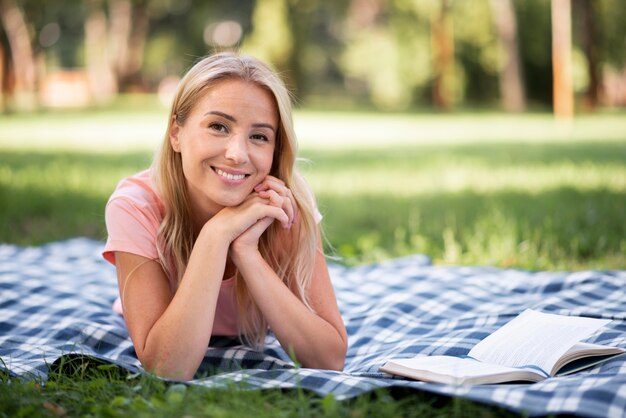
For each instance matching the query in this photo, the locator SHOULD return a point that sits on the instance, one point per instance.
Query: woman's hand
(273, 184)
(232, 222)
(277, 195)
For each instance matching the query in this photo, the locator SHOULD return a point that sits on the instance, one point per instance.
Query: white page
(455, 367)
(535, 338)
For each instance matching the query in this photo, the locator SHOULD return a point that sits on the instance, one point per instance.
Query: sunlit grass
(356, 131)
(99, 132)
(92, 176)
(406, 182)
(135, 123)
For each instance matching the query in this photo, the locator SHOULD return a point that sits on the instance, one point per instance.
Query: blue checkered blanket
(55, 302)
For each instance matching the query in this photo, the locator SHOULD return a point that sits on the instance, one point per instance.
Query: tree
(562, 59)
(510, 77)
(129, 25)
(271, 38)
(5, 84)
(21, 73)
(102, 80)
(590, 48)
(114, 45)
(443, 56)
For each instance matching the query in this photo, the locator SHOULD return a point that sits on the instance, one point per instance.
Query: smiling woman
(221, 235)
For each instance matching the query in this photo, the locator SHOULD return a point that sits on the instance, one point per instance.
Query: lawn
(482, 189)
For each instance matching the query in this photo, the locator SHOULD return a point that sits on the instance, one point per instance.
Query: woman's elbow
(166, 372)
(161, 367)
(330, 359)
(336, 364)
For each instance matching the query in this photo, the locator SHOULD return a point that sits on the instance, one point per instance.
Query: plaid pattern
(55, 302)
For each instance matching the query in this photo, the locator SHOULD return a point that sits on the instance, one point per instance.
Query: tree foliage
(392, 54)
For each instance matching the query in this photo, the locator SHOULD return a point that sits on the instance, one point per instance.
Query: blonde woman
(221, 235)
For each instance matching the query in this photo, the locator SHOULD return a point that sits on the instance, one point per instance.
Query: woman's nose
(237, 149)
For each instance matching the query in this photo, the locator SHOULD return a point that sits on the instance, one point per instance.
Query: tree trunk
(131, 74)
(4, 79)
(510, 77)
(563, 95)
(593, 94)
(115, 45)
(119, 33)
(128, 30)
(102, 80)
(20, 53)
(443, 51)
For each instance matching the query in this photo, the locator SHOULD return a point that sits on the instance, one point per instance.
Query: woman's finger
(282, 202)
(273, 183)
(267, 183)
(276, 212)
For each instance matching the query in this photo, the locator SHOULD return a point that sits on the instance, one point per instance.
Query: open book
(531, 347)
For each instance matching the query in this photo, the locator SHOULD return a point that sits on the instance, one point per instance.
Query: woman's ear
(174, 135)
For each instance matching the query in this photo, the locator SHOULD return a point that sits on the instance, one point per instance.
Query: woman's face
(226, 144)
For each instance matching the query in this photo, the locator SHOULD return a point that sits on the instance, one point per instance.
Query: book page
(457, 368)
(535, 339)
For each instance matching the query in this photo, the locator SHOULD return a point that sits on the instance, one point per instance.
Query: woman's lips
(232, 176)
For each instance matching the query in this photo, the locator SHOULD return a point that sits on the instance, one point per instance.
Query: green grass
(486, 189)
(85, 388)
(536, 206)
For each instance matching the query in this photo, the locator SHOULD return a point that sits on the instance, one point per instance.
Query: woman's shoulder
(139, 190)
(308, 195)
(132, 216)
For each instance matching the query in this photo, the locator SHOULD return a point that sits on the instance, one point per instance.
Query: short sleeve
(132, 227)
(317, 215)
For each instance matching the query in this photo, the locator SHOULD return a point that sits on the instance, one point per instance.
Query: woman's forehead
(238, 95)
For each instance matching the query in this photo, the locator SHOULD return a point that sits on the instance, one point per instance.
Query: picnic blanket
(55, 302)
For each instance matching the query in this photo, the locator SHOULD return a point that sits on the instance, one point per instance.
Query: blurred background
(385, 54)
(487, 132)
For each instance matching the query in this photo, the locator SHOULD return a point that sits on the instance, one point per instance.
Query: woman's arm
(171, 332)
(317, 338)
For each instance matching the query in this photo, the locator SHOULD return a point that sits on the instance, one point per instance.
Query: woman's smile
(230, 176)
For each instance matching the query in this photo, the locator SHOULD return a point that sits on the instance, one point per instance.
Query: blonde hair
(291, 253)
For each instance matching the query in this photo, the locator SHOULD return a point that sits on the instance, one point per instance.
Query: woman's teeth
(230, 176)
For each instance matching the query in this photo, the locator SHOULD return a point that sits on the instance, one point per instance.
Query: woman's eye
(218, 127)
(260, 137)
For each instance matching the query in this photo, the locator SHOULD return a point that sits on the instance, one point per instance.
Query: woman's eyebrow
(233, 119)
(222, 114)
(263, 125)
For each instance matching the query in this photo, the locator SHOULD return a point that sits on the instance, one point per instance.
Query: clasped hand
(269, 201)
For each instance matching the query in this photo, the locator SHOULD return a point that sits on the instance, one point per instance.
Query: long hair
(291, 253)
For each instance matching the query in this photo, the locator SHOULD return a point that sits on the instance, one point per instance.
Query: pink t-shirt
(133, 215)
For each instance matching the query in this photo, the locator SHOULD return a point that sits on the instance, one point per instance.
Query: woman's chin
(231, 201)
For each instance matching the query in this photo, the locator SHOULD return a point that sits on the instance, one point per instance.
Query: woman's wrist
(245, 255)
(214, 233)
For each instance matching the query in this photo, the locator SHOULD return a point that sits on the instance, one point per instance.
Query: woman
(220, 236)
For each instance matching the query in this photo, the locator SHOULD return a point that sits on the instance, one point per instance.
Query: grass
(510, 191)
(540, 206)
(88, 389)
